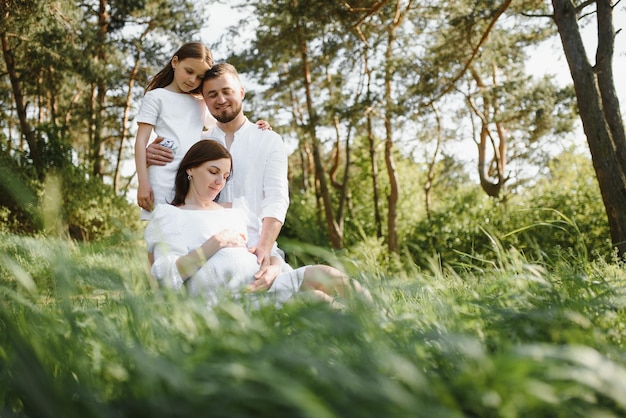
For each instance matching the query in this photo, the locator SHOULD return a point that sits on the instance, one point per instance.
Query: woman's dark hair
(195, 50)
(200, 152)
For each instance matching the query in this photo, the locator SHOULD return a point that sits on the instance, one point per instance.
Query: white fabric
(254, 225)
(173, 232)
(260, 164)
(180, 118)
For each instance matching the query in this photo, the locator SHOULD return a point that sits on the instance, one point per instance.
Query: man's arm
(158, 154)
(275, 186)
(269, 234)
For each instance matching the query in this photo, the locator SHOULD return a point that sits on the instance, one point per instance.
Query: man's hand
(158, 154)
(263, 256)
(267, 273)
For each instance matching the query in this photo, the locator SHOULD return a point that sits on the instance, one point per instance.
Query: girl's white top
(180, 118)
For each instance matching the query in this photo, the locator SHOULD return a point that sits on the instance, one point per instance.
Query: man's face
(224, 97)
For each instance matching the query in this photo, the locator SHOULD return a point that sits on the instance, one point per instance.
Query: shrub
(92, 210)
(563, 211)
(68, 202)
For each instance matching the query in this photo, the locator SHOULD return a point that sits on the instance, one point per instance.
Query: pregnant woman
(202, 245)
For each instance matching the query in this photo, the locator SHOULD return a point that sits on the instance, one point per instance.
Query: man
(259, 162)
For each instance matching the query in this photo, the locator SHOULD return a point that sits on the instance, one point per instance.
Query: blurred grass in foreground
(85, 333)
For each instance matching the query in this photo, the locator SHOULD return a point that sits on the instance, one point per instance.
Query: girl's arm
(145, 196)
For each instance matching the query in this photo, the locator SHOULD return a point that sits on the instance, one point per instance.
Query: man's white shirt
(259, 173)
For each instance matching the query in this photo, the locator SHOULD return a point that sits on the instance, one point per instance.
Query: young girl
(174, 108)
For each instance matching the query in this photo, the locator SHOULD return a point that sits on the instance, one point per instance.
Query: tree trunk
(492, 174)
(125, 118)
(27, 131)
(297, 120)
(101, 91)
(340, 186)
(599, 109)
(378, 219)
(334, 234)
(394, 186)
(372, 151)
(127, 105)
(430, 176)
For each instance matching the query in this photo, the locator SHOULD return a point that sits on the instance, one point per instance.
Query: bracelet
(201, 256)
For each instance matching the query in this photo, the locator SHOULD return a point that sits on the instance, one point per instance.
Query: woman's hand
(195, 259)
(229, 238)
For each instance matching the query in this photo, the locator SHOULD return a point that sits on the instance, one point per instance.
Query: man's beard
(228, 116)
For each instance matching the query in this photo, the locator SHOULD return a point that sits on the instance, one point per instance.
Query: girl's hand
(145, 197)
(264, 125)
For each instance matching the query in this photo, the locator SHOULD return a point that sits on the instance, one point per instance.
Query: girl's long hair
(200, 152)
(196, 50)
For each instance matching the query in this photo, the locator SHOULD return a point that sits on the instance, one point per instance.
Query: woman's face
(188, 73)
(209, 178)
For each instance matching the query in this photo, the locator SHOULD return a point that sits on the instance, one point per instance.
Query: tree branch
(475, 50)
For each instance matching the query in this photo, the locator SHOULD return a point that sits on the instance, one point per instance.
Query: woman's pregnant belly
(233, 268)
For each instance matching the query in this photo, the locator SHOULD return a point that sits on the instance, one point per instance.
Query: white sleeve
(253, 223)
(149, 110)
(253, 227)
(163, 238)
(275, 183)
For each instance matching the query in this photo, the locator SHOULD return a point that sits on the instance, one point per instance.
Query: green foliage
(456, 226)
(84, 332)
(563, 211)
(68, 203)
(92, 210)
(303, 222)
(18, 201)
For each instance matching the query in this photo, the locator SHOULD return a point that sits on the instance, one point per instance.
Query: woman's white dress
(174, 232)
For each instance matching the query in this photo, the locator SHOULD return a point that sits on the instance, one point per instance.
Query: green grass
(85, 333)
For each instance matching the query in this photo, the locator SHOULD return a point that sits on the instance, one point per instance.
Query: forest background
(497, 270)
(373, 99)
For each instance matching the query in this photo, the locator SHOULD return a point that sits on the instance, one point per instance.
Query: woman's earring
(189, 177)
